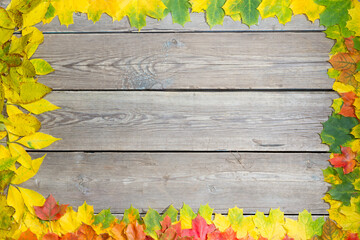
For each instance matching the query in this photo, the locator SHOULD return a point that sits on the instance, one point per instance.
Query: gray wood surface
(205, 121)
(252, 181)
(187, 61)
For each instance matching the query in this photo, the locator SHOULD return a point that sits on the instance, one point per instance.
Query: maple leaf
(171, 212)
(336, 131)
(330, 231)
(347, 64)
(168, 230)
(206, 212)
(69, 236)
(199, 229)
(135, 231)
(152, 223)
(354, 23)
(105, 218)
(179, 10)
(50, 210)
(118, 231)
(131, 215)
(348, 109)
(272, 226)
(50, 236)
(228, 234)
(352, 236)
(27, 235)
(246, 8)
(279, 8)
(346, 159)
(308, 7)
(86, 232)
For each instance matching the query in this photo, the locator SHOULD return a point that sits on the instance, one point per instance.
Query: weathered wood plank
(204, 121)
(106, 24)
(188, 61)
(253, 181)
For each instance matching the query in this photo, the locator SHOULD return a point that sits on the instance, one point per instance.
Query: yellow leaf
(36, 37)
(354, 23)
(221, 222)
(12, 110)
(69, 222)
(23, 157)
(15, 199)
(23, 124)
(295, 229)
(22, 174)
(271, 227)
(36, 14)
(64, 9)
(33, 223)
(30, 49)
(199, 5)
(86, 214)
(4, 152)
(279, 8)
(31, 199)
(29, 92)
(5, 20)
(342, 88)
(5, 34)
(351, 222)
(308, 7)
(41, 66)
(12, 137)
(37, 140)
(40, 106)
(2, 135)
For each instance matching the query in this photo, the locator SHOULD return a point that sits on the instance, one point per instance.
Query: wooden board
(253, 181)
(188, 121)
(187, 61)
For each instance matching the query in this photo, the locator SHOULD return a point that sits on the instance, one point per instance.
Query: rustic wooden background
(227, 116)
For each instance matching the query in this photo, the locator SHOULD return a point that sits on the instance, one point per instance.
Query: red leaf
(135, 231)
(349, 43)
(346, 63)
(50, 210)
(200, 229)
(347, 109)
(352, 236)
(50, 236)
(28, 235)
(229, 234)
(346, 159)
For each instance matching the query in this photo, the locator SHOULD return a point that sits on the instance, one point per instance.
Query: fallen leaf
(50, 210)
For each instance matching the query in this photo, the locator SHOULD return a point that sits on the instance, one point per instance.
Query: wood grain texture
(187, 61)
(190, 121)
(252, 181)
(198, 23)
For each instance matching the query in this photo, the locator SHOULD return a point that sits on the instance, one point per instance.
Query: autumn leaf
(50, 210)
(221, 222)
(131, 215)
(6, 214)
(279, 8)
(86, 232)
(206, 212)
(85, 214)
(343, 192)
(40, 106)
(347, 64)
(22, 174)
(135, 231)
(15, 200)
(51, 236)
(186, 216)
(171, 212)
(118, 231)
(23, 124)
(228, 234)
(168, 230)
(348, 109)
(243, 226)
(330, 231)
(37, 140)
(28, 235)
(246, 8)
(271, 227)
(351, 213)
(307, 7)
(41, 66)
(152, 223)
(179, 10)
(346, 159)
(105, 218)
(5, 179)
(214, 12)
(353, 24)
(336, 131)
(199, 229)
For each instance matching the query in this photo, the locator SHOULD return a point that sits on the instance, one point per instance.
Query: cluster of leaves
(25, 214)
(52, 221)
(21, 98)
(342, 130)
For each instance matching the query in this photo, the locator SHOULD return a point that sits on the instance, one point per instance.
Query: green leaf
(171, 212)
(152, 222)
(6, 213)
(343, 192)
(186, 216)
(246, 8)
(357, 43)
(13, 60)
(214, 13)
(336, 131)
(5, 179)
(131, 215)
(41, 66)
(311, 227)
(331, 175)
(206, 212)
(179, 10)
(279, 8)
(334, 32)
(105, 218)
(336, 12)
(337, 104)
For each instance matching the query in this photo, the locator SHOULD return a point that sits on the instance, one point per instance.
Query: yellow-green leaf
(221, 222)
(86, 213)
(5, 20)
(271, 227)
(15, 199)
(279, 8)
(354, 23)
(36, 35)
(5, 34)
(37, 140)
(206, 212)
(22, 174)
(307, 7)
(23, 124)
(186, 216)
(36, 14)
(40, 106)
(41, 66)
(29, 92)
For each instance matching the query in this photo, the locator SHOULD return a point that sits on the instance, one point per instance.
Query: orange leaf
(135, 231)
(347, 109)
(86, 232)
(50, 236)
(28, 235)
(118, 231)
(346, 159)
(69, 236)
